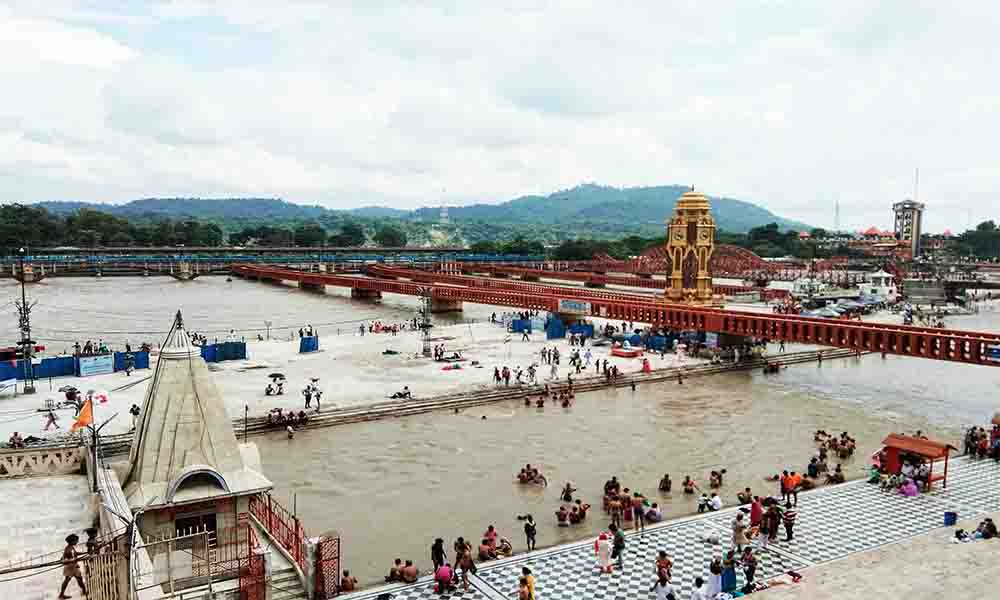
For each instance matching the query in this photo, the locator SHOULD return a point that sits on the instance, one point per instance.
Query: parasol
(68, 388)
(276, 376)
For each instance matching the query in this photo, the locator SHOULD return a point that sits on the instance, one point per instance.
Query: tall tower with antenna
(836, 215)
(909, 219)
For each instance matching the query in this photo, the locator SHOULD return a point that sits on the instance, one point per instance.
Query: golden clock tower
(690, 242)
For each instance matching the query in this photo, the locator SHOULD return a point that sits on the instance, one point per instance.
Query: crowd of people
(981, 443)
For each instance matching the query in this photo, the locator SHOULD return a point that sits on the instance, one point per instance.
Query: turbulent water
(390, 487)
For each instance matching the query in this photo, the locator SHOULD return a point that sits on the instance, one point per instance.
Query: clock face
(679, 236)
(704, 235)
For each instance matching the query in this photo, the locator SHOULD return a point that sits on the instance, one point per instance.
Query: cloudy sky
(788, 104)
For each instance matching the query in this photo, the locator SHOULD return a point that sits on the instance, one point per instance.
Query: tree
(818, 233)
(351, 234)
(521, 246)
(390, 236)
(485, 247)
(310, 234)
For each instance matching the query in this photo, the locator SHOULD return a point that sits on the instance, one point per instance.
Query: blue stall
(583, 329)
(554, 329)
(520, 325)
(308, 344)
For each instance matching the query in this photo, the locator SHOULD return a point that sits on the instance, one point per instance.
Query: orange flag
(86, 416)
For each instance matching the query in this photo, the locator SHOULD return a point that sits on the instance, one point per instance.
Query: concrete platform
(39, 512)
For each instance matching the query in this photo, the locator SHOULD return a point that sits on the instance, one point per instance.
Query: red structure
(941, 344)
(898, 446)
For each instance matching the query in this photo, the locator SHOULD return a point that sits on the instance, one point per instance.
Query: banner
(95, 365)
(573, 307)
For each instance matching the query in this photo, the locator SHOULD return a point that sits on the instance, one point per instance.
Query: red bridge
(940, 344)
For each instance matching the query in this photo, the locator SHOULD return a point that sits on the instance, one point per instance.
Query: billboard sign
(96, 365)
(573, 307)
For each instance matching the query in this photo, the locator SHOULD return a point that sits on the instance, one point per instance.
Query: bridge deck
(940, 344)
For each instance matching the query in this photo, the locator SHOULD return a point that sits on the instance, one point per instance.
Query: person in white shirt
(907, 470)
(699, 590)
(663, 589)
(715, 503)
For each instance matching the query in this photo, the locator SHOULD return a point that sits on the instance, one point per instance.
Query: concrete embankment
(461, 400)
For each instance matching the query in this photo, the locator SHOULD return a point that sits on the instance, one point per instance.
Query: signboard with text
(95, 365)
(573, 307)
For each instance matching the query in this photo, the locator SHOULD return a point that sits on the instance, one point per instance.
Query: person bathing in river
(567, 492)
(689, 485)
(665, 483)
(715, 478)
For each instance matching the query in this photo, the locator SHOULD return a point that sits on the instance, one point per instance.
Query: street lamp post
(24, 313)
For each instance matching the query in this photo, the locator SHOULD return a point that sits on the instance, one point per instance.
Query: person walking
(530, 530)
(788, 518)
(438, 555)
(71, 566)
(739, 532)
(749, 562)
(618, 546)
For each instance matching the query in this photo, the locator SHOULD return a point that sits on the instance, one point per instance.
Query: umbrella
(314, 379)
(276, 376)
(68, 388)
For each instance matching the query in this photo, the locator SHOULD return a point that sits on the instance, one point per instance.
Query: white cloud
(346, 104)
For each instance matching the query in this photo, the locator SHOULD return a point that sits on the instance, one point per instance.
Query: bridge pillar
(440, 305)
(644, 275)
(594, 284)
(529, 278)
(362, 294)
(319, 288)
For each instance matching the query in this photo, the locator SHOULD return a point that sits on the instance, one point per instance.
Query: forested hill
(584, 211)
(609, 207)
(198, 208)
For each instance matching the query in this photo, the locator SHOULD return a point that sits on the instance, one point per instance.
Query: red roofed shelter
(897, 446)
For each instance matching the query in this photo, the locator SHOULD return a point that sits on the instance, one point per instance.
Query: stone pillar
(441, 305)
(594, 284)
(529, 278)
(312, 287)
(362, 294)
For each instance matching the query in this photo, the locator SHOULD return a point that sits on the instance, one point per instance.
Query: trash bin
(950, 518)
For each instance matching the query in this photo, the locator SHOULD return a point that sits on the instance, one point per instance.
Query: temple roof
(184, 449)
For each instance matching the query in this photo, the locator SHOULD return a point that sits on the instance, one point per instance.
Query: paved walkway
(833, 522)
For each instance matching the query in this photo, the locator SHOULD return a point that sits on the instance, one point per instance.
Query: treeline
(981, 242)
(37, 227)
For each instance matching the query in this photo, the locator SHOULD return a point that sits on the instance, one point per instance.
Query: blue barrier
(12, 370)
(309, 344)
(584, 329)
(57, 366)
(519, 325)
(224, 351)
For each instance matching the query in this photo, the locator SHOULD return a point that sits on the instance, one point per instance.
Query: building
(909, 215)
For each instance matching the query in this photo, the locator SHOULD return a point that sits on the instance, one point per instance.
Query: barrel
(950, 518)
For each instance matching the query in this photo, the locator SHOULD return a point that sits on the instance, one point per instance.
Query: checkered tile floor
(832, 523)
(424, 590)
(572, 573)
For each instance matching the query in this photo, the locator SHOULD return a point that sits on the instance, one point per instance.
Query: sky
(791, 105)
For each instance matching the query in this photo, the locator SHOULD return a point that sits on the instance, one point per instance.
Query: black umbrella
(68, 388)
(276, 376)
(314, 379)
